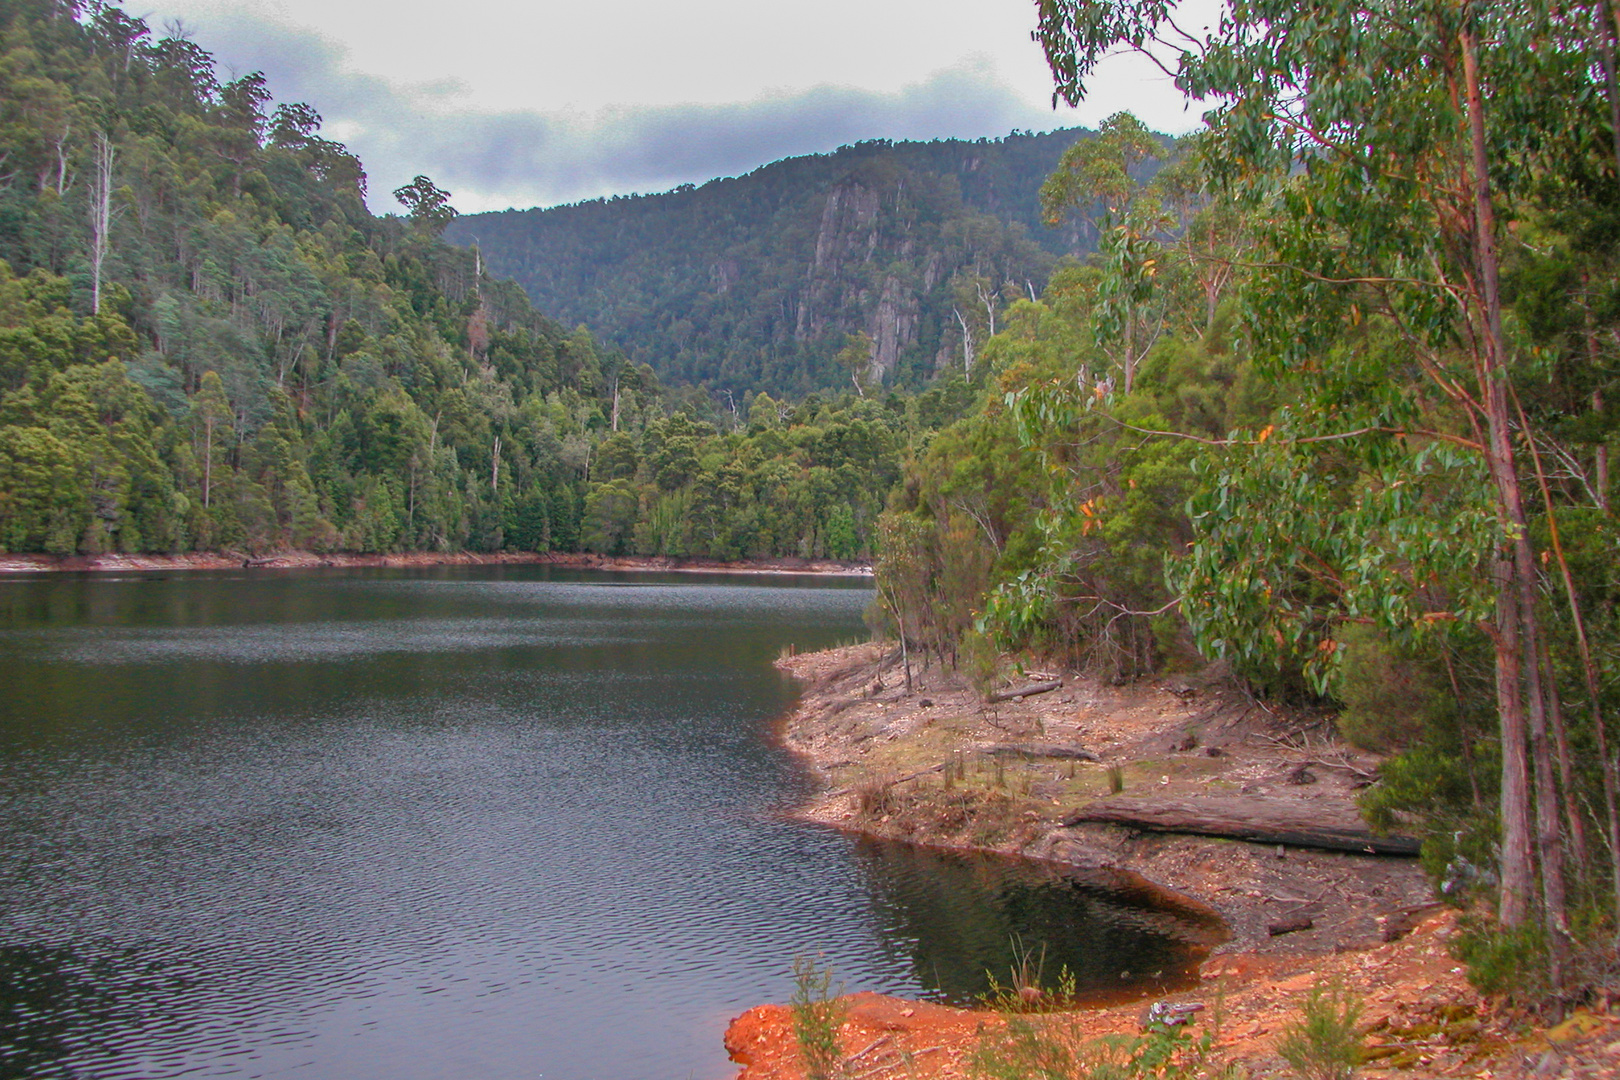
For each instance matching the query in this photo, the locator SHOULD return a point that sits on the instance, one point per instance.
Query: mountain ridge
(759, 282)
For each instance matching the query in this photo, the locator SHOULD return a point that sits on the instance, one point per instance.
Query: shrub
(818, 1014)
(1502, 961)
(1390, 700)
(1324, 1043)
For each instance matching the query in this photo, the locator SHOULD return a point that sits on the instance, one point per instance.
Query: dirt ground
(930, 765)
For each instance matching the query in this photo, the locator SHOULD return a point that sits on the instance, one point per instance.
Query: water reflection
(491, 822)
(960, 919)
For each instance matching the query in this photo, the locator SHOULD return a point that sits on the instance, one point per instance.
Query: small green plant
(1116, 778)
(1051, 1048)
(818, 1014)
(1323, 1044)
(980, 662)
(1027, 992)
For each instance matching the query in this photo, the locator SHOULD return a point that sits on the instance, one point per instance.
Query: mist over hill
(761, 282)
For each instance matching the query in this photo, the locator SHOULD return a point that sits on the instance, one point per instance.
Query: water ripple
(426, 828)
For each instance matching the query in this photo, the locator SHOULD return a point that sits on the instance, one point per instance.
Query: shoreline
(880, 753)
(31, 564)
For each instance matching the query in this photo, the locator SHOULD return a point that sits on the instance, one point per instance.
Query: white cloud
(434, 108)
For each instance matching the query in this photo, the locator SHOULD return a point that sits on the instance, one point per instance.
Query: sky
(510, 104)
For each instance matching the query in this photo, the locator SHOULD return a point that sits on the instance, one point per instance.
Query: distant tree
(428, 205)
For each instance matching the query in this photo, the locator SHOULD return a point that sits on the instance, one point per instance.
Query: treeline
(1333, 404)
(208, 342)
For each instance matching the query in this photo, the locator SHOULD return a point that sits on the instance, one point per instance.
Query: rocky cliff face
(757, 283)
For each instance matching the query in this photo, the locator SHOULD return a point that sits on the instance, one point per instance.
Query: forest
(207, 342)
(1330, 406)
(759, 283)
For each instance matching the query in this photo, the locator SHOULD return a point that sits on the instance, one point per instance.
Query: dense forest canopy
(208, 342)
(909, 252)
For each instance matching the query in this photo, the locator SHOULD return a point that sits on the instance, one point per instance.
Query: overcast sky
(533, 104)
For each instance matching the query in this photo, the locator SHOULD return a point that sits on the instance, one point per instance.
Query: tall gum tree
(1383, 143)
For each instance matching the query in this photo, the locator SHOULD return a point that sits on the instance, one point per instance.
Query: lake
(482, 822)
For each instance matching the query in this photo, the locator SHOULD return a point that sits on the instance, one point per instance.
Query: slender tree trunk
(208, 461)
(967, 342)
(1518, 865)
(1611, 798)
(100, 215)
(1579, 850)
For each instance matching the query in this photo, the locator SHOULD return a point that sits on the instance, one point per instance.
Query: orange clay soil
(1370, 924)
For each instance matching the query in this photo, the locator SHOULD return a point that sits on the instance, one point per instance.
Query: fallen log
(1013, 693)
(1290, 925)
(1292, 822)
(1041, 750)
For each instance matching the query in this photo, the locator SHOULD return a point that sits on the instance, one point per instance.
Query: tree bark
(1518, 865)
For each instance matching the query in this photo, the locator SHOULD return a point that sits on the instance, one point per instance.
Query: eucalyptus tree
(1383, 144)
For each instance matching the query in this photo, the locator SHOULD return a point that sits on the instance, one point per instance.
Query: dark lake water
(467, 822)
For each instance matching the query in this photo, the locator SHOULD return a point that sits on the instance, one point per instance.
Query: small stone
(925, 703)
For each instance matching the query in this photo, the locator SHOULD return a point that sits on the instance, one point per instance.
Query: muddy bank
(935, 764)
(34, 564)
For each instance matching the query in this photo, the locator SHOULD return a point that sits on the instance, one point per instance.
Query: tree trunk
(1518, 866)
(100, 215)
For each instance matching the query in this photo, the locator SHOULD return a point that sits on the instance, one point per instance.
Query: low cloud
(492, 160)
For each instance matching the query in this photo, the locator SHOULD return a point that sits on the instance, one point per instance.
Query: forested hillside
(1333, 405)
(882, 264)
(208, 342)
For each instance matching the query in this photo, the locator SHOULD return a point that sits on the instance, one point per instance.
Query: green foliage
(427, 204)
(1323, 1044)
(1389, 700)
(1511, 962)
(1026, 992)
(274, 367)
(818, 1016)
(1052, 1048)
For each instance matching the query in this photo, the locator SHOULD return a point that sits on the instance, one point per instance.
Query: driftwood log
(1294, 822)
(1041, 750)
(1012, 693)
